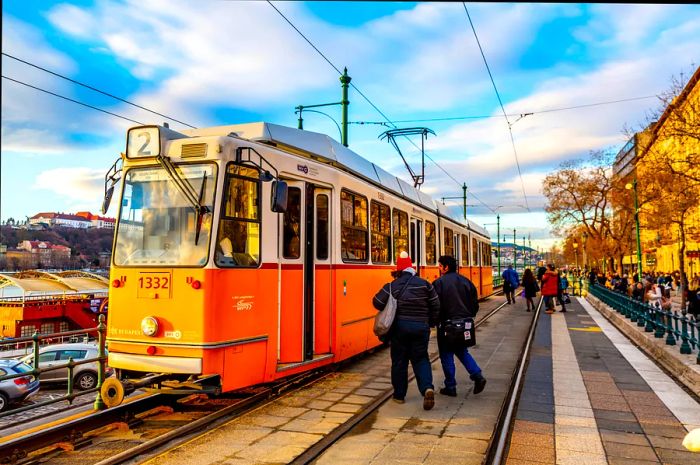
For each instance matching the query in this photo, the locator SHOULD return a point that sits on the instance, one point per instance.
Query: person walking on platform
(417, 310)
(511, 281)
(562, 285)
(458, 300)
(550, 288)
(530, 286)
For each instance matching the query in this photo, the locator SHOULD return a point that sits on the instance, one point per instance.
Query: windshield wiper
(187, 191)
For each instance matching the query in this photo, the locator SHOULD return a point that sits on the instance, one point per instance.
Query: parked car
(84, 375)
(16, 389)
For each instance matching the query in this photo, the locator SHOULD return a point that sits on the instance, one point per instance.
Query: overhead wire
(87, 86)
(500, 102)
(388, 120)
(71, 100)
(548, 110)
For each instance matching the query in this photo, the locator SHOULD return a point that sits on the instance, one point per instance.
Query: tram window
(158, 226)
(238, 244)
(486, 255)
(353, 227)
(291, 240)
(430, 242)
(449, 248)
(465, 250)
(322, 227)
(380, 216)
(400, 222)
(475, 252)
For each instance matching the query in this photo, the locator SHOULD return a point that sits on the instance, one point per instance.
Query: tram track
(314, 452)
(50, 442)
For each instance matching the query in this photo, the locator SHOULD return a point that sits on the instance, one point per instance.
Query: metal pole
(524, 255)
(300, 121)
(464, 189)
(636, 221)
(529, 246)
(345, 80)
(515, 252)
(498, 232)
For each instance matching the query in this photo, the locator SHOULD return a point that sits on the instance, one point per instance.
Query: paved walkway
(591, 397)
(457, 430)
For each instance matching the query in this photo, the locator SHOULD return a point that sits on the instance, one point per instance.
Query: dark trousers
(448, 363)
(409, 341)
(509, 292)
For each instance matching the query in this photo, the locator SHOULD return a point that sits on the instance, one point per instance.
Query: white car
(84, 376)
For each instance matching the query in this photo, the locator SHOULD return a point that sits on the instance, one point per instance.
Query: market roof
(60, 282)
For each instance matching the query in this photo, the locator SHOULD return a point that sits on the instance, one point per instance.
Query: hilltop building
(83, 220)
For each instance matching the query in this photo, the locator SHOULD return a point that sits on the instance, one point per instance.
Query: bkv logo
(243, 304)
(303, 168)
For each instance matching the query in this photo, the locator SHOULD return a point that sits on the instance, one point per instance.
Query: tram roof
(61, 282)
(331, 151)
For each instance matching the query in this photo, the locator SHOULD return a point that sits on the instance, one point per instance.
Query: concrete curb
(682, 367)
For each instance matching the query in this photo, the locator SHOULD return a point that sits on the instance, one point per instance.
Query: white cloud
(73, 183)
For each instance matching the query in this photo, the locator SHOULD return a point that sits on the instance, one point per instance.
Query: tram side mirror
(107, 200)
(279, 197)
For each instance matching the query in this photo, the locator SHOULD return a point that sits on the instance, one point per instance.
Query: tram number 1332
(154, 282)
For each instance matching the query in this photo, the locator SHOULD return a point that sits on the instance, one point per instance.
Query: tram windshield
(158, 224)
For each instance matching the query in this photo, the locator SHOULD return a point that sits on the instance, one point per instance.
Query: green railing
(497, 281)
(663, 323)
(101, 359)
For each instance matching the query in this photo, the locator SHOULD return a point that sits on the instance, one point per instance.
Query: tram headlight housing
(149, 326)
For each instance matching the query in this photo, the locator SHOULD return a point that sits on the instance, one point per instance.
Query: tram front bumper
(156, 364)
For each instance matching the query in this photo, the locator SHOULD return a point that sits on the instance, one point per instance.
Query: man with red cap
(417, 310)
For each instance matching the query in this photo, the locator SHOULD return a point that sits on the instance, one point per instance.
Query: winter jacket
(458, 296)
(510, 276)
(419, 302)
(531, 288)
(549, 283)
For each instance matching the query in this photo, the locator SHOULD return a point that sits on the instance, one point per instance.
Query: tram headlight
(149, 326)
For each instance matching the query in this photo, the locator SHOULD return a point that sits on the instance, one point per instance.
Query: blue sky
(214, 62)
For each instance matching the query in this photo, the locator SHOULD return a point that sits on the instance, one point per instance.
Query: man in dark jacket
(511, 281)
(458, 299)
(417, 311)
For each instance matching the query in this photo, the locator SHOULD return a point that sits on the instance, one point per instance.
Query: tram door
(305, 306)
(416, 233)
(321, 264)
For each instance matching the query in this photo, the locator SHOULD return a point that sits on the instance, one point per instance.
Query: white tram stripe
(684, 407)
(576, 435)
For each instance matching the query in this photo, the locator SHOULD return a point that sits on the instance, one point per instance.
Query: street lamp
(628, 186)
(585, 257)
(576, 252)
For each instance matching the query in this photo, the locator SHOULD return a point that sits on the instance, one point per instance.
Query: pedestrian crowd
(450, 304)
(655, 288)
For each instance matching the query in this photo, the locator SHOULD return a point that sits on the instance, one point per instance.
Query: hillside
(84, 243)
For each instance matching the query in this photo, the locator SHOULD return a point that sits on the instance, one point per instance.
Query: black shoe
(563, 310)
(428, 399)
(479, 384)
(452, 392)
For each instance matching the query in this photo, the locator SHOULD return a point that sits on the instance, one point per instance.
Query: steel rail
(18, 448)
(503, 427)
(317, 449)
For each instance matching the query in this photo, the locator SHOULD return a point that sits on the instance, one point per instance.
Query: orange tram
(253, 251)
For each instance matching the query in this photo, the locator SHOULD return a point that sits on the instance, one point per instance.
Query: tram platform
(589, 397)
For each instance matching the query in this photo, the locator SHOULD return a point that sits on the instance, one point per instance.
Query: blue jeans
(409, 341)
(448, 363)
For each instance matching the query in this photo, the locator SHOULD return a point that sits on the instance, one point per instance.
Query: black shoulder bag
(459, 333)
